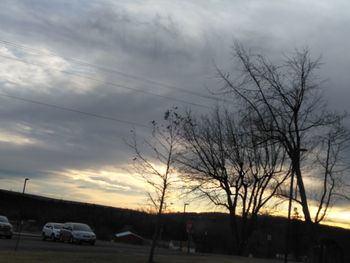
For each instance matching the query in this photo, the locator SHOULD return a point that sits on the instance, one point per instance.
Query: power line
(108, 82)
(108, 69)
(54, 106)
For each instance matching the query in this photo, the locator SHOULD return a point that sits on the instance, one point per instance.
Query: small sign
(189, 226)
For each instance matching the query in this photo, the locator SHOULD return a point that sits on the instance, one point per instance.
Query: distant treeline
(210, 231)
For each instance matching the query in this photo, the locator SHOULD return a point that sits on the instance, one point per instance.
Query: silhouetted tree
(332, 166)
(154, 163)
(225, 161)
(285, 104)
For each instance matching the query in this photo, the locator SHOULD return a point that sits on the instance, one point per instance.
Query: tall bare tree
(223, 161)
(154, 162)
(285, 103)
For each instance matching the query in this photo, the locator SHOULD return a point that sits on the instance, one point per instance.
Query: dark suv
(77, 233)
(5, 227)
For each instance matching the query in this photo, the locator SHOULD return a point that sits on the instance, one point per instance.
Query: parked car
(77, 233)
(51, 231)
(5, 227)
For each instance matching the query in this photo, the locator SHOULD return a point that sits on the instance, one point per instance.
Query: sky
(107, 67)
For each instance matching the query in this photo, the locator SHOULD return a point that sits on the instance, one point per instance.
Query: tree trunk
(244, 235)
(154, 240)
(157, 227)
(302, 192)
(234, 231)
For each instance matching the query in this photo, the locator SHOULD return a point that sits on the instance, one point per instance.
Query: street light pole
(185, 204)
(25, 184)
(19, 224)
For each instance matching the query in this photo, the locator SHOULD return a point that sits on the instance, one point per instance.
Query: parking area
(33, 242)
(32, 250)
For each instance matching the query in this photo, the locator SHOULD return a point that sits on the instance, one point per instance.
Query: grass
(71, 257)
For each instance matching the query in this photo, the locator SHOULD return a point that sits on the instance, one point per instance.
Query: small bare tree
(329, 159)
(224, 162)
(154, 163)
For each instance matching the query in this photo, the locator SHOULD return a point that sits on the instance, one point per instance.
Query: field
(71, 257)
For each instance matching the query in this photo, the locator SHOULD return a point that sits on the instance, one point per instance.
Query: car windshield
(57, 226)
(81, 227)
(3, 219)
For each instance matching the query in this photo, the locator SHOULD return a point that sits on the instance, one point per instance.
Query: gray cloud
(171, 42)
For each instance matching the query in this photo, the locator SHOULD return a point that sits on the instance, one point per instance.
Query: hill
(210, 230)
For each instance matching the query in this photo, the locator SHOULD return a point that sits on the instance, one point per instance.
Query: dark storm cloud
(173, 42)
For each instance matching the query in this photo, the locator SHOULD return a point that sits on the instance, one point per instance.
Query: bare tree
(285, 103)
(155, 165)
(223, 161)
(329, 159)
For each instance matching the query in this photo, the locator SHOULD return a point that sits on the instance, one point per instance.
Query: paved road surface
(34, 243)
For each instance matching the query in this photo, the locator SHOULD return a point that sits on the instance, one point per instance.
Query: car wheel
(92, 243)
(71, 240)
(43, 236)
(53, 237)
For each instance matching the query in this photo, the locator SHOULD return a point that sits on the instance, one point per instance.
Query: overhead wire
(99, 67)
(108, 69)
(73, 110)
(109, 83)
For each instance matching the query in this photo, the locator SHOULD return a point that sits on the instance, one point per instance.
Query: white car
(77, 233)
(5, 227)
(51, 231)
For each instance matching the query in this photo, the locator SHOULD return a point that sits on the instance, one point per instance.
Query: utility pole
(19, 224)
(286, 249)
(183, 223)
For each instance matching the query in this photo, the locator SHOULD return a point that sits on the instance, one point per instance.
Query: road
(34, 243)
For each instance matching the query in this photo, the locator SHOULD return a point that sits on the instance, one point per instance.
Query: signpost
(189, 226)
